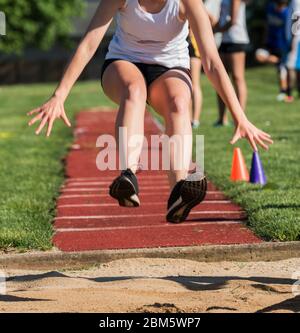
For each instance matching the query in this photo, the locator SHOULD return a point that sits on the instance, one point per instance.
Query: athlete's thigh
(171, 86)
(120, 76)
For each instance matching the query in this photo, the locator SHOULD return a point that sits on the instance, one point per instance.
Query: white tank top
(143, 37)
(238, 32)
(214, 8)
(292, 27)
(295, 5)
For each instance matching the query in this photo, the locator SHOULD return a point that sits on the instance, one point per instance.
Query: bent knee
(239, 79)
(135, 92)
(179, 105)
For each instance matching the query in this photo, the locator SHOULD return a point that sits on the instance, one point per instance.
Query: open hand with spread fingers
(47, 114)
(245, 129)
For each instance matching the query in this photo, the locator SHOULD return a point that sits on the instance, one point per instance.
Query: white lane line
(108, 205)
(105, 217)
(167, 225)
(73, 184)
(142, 177)
(82, 190)
(87, 183)
(94, 217)
(96, 189)
(212, 202)
(148, 178)
(71, 196)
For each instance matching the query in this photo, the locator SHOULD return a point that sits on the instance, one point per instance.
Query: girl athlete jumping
(148, 61)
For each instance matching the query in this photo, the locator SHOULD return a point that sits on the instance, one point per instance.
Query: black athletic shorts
(233, 48)
(151, 72)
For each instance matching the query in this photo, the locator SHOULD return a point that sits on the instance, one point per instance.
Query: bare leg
(170, 96)
(124, 84)
(298, 82)
(283, 78)
(267, 59)
(238, 64)
(289, 90)
(197, 92)
(292, 80)
(223, 118)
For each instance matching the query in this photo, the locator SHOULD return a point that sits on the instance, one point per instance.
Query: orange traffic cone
(239, 171)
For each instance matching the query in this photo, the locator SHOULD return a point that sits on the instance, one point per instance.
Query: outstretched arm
(54, 108)
(215, 71)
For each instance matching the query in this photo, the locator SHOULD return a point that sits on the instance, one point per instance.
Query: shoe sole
(123, 190)
(192, 194)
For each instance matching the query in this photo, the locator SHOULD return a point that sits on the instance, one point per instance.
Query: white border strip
(95, 217)
(97, 189)
(153, 226)
(71, 184)
(104, 178)
(222, 202)
(72, 196)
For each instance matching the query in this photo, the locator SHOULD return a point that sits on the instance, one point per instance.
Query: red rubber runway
(88, 219)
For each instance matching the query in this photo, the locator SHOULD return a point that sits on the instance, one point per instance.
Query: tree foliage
(37, 23)
(256, 21)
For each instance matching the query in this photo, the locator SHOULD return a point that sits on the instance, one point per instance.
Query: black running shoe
(125, 189)
(185, 196)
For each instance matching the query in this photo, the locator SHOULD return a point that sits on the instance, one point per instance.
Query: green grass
(274, 211)
(32, 169)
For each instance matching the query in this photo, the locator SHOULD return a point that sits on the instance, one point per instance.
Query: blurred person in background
(213, 10)
(235, 43)
(293, 33)
(277, 45)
